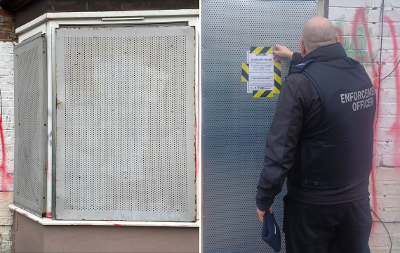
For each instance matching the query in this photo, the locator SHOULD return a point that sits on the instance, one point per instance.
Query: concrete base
(30, 236)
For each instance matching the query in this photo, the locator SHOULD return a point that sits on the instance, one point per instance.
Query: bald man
(321, 139)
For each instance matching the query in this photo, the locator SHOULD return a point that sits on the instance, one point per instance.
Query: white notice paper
(261, 72)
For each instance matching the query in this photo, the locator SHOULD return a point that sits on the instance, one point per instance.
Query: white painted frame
(48, 22)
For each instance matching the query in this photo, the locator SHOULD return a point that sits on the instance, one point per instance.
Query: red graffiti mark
(117, 225)
(48, 214)
(6, 177)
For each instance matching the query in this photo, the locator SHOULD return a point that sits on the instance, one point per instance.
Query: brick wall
(359, 24)
(7, 115)
(7, 38)
(7, 29)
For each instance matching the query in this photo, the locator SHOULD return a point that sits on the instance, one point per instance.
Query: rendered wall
(31, 236)
(358, 23)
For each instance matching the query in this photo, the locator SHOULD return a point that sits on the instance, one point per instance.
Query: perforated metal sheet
(235, 124)
(30, 131)
(125, 124)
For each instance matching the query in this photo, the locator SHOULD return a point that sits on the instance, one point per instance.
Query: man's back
(335, 152)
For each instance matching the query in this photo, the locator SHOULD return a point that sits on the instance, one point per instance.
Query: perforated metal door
(125, 124)
(30, 125)
(235, 124)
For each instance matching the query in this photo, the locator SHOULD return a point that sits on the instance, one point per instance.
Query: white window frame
(47, 23)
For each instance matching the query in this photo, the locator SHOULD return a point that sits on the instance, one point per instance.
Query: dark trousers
(341, 228)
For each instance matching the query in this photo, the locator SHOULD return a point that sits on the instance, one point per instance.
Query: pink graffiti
(7, 178)
(360, 19)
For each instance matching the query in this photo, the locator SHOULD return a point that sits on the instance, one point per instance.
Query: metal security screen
(125, 124)
(30, 128)
(235, 124)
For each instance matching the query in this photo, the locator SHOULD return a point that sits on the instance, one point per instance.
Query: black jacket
(298, 113)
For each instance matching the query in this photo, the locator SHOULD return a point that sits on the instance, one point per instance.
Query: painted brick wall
(7, 38)
(359, 25)
(7, 115)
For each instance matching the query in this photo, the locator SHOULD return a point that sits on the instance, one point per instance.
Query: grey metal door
(235, 124)
(30, 124)
(125, 123)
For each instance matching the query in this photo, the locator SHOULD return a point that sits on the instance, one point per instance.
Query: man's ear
(337, 38)
(303, 48)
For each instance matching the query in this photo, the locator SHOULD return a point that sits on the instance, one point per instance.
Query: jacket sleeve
(282, 140)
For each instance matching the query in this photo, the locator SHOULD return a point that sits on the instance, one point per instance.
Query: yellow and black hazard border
(277, 77)
(261, 50)
(277, 73)
(263, 93)
(245, 72)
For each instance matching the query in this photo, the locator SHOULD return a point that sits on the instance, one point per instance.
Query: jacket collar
(326, 53)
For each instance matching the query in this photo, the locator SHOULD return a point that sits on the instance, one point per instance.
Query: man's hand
(261, 214)
(282, 52)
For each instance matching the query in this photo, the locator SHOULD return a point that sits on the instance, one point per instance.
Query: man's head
(317, 32)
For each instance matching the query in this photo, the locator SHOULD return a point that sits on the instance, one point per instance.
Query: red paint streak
(117, 225)
(25, 214)
(6, 177)
(48, 214)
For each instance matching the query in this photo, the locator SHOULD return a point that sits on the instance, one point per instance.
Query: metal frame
(47, 23)
(50, 222)
(77, 17)
(323, 8)
(199, 144)
(52, 207)
(34, 41)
